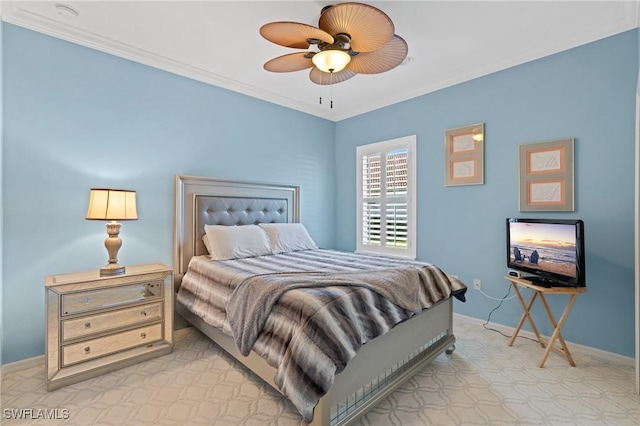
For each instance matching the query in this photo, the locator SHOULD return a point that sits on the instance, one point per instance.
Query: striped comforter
(311, 330)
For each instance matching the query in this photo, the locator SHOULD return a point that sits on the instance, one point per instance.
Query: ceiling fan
(352, 38)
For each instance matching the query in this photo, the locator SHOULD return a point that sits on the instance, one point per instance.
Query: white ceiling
(217, 42)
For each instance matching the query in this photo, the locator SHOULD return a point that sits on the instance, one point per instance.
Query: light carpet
(483, 382)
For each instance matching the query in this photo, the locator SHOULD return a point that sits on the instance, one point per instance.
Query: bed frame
(378, 368)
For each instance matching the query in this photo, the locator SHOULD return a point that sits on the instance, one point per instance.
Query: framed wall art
(546, 176)
(464, 155)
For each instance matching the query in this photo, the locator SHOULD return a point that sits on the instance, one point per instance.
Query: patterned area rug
(483, 382)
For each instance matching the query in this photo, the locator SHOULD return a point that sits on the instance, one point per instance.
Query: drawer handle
(143, 313)
(87, 300)
(87, 350)
(143, 335)
(87, 325)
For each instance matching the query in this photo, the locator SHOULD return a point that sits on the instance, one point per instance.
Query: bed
(377, 365)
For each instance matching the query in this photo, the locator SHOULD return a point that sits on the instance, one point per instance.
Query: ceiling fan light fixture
(351, 38)
(331, 60)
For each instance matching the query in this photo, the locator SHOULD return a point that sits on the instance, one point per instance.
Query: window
(386, 197)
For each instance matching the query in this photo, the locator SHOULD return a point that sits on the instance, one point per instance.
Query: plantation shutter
(371, 199)
(397, 199)
(385, 201)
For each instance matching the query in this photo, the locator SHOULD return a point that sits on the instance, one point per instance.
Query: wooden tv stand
(540, 291)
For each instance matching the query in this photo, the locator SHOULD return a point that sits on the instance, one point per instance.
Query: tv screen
(549, 252)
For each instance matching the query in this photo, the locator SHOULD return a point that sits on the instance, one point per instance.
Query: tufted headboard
(235, 211)
(201, 201)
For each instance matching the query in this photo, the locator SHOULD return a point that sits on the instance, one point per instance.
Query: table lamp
(113, 205)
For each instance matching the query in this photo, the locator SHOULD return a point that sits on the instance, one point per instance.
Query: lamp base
(111, 269)
(112, 243)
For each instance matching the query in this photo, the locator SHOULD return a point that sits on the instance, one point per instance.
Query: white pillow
(205, 240)
(285, 237)
(235, 242)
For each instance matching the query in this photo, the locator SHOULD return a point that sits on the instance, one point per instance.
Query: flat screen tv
(548, 252)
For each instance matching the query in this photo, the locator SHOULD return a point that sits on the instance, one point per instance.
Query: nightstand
(94, 324)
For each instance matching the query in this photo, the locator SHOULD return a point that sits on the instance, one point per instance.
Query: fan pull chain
(330, 94)
(331, 88)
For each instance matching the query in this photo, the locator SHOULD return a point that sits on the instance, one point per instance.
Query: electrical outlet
(476, 284)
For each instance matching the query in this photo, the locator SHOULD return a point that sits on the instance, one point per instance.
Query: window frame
(383, 148)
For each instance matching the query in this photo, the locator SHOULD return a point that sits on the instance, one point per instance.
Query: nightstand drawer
(90, 349)
(86, 326)
(109, 297)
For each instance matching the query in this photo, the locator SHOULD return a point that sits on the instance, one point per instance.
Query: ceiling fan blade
(325, 78)
(293, 34)
(287, 63)
(369, 27)
(381, 60)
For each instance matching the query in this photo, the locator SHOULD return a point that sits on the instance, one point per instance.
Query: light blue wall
(76, 118)
(587, 93)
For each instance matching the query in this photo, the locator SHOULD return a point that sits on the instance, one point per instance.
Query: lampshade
(331, 60)
(112, 204)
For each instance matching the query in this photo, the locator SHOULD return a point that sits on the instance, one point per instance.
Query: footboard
(385, 363)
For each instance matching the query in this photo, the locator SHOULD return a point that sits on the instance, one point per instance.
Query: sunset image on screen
(548, 247)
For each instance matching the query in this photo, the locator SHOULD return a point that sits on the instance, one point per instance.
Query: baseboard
(23, 364)
(574, 347)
